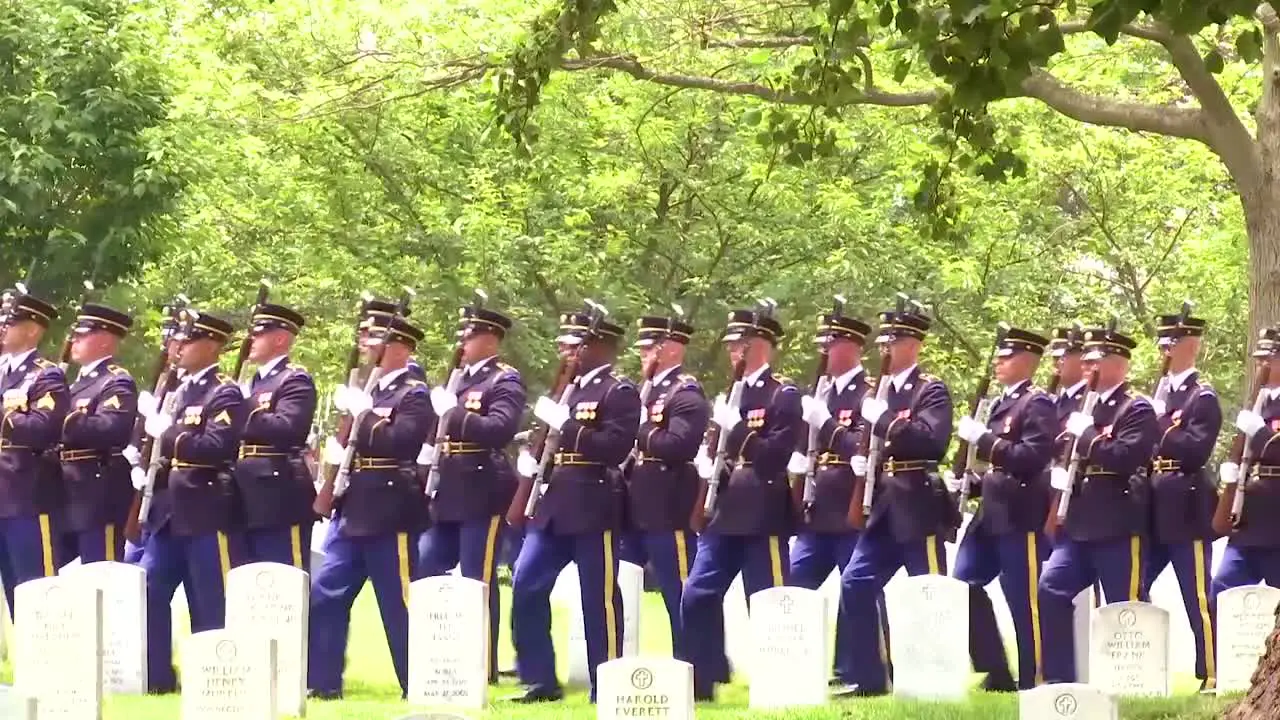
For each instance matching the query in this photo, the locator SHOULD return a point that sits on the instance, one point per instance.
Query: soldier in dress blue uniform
(104, 405)
(580, 515)
(662, 484)
(194, 526)
(378, 517)
(1252, 554)
(1006, 537)
(748, 529)
(825, 540)
(275, 485)
(1183, 494)
(911, 511)
(1106, 525)
(1066, 348)
(477, 481)
(35, 400)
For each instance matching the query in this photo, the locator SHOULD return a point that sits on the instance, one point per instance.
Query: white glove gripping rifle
(646, 389)
(1077, 453)
(455, 379)
(822, 387)
(967, 452)
(873, 445)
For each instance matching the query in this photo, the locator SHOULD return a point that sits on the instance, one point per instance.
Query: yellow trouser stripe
(1033, 580)
(931, 552)
(883, 641)
(295, 545)
(46, 546)
(224, 558)
(775, 560)
(1202, 600)
(402, 550)
(486, 575)
(1135, 568)
(110, 539)
(682, 558)
(610, 622)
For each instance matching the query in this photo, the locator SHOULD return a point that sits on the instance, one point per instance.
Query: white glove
(138, 477)
(1059, 480)
(551, 412)
(815, 412)
(442, 401)
(526, 464)
(157, 424)
(970, 430)
(341, 396)
(859, 465)
(644, 415)
(1159, 406)
(1078, 422)
(873, 408)
(952, 482)
(428, 455)
(358, 402)
(798, 464)
(133, 455)
(704, 466)
(148, 404)
(725, 416)
(1250, 422)
(1229, 472)
(333, 453)
(245, 390)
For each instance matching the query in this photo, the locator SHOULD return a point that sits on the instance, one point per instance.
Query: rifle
(1075, 455)
(646, 389)
(264, 289)
(455, 379)
(967, 454)
(342, 477)
(869, 446)
(323, 504)
(64, 357)
(1229, 514)
(821, 390)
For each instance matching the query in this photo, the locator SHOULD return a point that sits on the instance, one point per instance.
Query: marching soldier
(662, 485)
(1066, 348)
(378, 517)
(911, 512)
(579, 516)
(826, 539)
(193, 522)
(477, 481)
(1006, 537)
(1183, 497)
(35, 402)
(104, 402)
(747, 531)
(274, 482)
(1102, 539)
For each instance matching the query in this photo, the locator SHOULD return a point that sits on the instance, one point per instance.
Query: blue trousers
(813, 558)
(287, 545)
(1192, 565)
(670, 554)
(28, 549)
(542, 558)
(1016, 559)
(877, 557)
(96, 545)
(472, 546)
(1247, 566)
(1072, 567)
(386, 561)
(763, 561)
(201, 563)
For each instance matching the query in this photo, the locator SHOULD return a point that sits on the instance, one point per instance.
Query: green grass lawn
(372, 692)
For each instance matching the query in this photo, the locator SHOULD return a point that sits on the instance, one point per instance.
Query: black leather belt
(71, 456)
(573, 458)
(454, 447)
(261, 451)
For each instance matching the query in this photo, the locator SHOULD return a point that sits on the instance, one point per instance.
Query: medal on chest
(845, 417)
(755, 418)
(585, 410)
(264, 400)
(192, 415)
(656, 412)
(472, 401)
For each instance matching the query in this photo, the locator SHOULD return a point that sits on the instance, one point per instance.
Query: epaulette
(784, 380)
(44, 364)
(295, 367)
(117, 370)
(927, 378)
(688, 380)
(505, 367)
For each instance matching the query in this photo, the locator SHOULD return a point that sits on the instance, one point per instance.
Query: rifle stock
(1229, 513)
(864, 488)
(455, 379)
(546, 442)
(721, 442)
(323, 504)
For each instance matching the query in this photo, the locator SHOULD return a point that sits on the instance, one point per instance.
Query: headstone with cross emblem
(645, 687)
(929, 632)
(1067, 701)
(631, 584)
(229, 675)
(273, 600)
(448, 642)
(124, 622)
(1129, 654)
(58, 647)
(1246, 616)
(789, 634)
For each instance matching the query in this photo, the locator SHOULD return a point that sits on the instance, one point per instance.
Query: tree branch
(1165, 120)
(761, 42)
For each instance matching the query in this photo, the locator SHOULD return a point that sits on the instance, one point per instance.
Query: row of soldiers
(851, 469)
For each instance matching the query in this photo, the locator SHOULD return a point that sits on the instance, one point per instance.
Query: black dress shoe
(508, 673)
(324, 694)
(835, 682)
(537, 696)
(854, 691)
(999, 682)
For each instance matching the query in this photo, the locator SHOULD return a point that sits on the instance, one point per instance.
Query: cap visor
(569, 340)
(1004, 352)
(1093, 355)
(644, 343)
(731, 337)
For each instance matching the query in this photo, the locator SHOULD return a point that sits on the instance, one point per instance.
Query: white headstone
(58, 648)
(5, 626)
(737, 626)
(929, 632)
(789, 632)
(1067, 701)
(273, 600)
(1081, 621)
(124, 620)
(631, 585)
(448, 642)
(228, 674)
(1130, 652)
(16, 705)
(644, 687)
(1246, 617)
